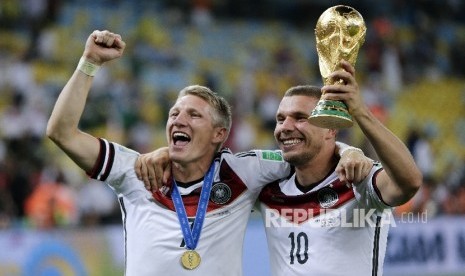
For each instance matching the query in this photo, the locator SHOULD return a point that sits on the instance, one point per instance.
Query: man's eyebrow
(301, 114)
(298, 114)
(295, 114)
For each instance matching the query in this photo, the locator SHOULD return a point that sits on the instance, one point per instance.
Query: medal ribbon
(191, 238)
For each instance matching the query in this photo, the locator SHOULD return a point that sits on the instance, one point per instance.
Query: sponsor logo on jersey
(327, 197)
(272, 155)
(220, 193)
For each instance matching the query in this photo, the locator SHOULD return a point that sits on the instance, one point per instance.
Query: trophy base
(331, 114)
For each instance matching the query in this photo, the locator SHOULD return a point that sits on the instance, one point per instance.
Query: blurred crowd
(411, 71)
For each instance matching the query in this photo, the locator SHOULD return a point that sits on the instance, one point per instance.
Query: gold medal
(190, 259)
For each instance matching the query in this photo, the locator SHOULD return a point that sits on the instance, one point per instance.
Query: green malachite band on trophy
(331, 114)
(331, 108)
(336, 104)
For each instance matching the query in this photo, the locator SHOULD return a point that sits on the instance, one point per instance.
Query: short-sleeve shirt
(333, 229)
(153, 237)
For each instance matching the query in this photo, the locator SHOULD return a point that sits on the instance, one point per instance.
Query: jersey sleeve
(259, 167)
(115, 166)
(367, 193)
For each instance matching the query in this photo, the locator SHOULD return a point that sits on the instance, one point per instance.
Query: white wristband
(344, 147)
(87, 68)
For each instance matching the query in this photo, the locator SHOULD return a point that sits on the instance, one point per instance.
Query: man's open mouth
(291, 142)
(180, 138)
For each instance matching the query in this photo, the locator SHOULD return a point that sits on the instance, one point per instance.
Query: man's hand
(103, 46)
(353, 166)
(348, 91)
(154, 168)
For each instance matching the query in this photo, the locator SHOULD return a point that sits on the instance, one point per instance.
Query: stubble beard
(298, 159)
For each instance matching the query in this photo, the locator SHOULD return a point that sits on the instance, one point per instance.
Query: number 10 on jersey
(299, 247)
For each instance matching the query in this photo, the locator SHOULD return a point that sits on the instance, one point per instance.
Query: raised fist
(103, 46)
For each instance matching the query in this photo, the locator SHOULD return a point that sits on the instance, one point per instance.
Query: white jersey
(153, 237)
(333, 229)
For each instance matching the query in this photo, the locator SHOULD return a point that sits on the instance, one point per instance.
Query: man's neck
(191, 171)
(316, 170)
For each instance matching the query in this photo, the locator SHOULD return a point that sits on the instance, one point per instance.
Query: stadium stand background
(411, 70)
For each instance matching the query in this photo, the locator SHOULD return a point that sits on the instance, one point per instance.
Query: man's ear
(220, 135)
(331, 133)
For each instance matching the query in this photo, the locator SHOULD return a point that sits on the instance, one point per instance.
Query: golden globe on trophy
(339, 32)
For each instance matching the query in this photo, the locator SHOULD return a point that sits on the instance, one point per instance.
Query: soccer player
(316, 225)
(195, 225)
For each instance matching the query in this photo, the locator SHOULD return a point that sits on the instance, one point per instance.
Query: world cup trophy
(340, 31)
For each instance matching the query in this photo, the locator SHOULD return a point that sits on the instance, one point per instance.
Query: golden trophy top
(340, 31)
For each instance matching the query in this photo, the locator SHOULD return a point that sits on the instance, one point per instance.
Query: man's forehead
(297, 104)
(190, 101)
